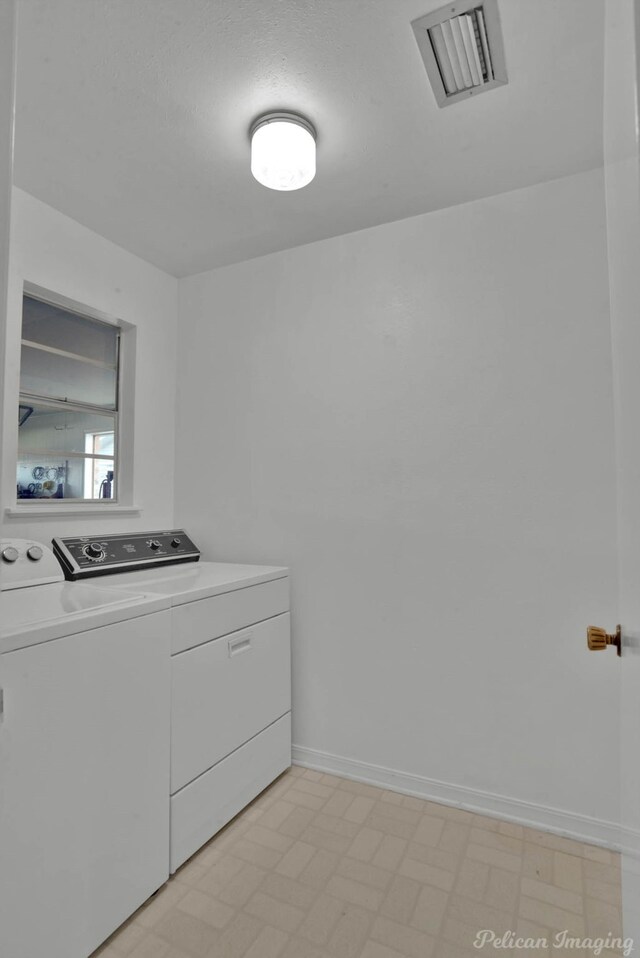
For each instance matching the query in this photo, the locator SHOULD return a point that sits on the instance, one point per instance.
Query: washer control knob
(35, 553)
(10, 554)
(94, 551)
(176, 542)
(154, 544)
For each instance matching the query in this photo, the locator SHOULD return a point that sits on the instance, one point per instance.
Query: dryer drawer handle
(241, 644)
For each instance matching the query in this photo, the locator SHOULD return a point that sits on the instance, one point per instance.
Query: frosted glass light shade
(283, 151)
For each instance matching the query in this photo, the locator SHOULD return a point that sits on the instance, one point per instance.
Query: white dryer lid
(195, 580)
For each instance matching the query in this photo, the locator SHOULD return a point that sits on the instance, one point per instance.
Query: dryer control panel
(85, 556)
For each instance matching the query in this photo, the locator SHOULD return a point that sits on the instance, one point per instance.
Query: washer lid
(44, 612)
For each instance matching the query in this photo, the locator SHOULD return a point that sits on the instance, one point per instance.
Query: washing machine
(84, 755)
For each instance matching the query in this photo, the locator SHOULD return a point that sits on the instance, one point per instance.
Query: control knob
(10, 554)
(154, 544)
(176, 542)
(35, 553)
(94, 551)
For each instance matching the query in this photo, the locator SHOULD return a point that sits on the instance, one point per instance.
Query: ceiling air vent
(461, 45)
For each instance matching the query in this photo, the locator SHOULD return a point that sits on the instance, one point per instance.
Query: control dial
(10, 554)
(176, 542)
(154, 544)
(35, 553)
(94, 551)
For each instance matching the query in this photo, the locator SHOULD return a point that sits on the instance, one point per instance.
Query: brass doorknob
(598, 639)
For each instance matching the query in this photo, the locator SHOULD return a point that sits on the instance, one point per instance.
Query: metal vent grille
(462, 49)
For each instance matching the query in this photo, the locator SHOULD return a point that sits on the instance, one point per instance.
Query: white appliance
(84, 755)
(230, 670)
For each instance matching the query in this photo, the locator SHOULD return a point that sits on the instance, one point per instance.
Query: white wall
(417, 418)
(7, 123)
(55, 252)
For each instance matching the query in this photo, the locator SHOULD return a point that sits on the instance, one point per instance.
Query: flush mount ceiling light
(283, 151)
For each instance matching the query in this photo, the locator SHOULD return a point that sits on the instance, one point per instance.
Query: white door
(622, 178)
(84, 786)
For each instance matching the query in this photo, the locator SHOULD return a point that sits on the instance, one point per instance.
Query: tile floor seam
(462, 858)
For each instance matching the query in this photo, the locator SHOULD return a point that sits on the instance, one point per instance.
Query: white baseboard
(582, 828)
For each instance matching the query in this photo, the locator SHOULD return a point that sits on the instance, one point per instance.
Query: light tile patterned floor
(322, 867)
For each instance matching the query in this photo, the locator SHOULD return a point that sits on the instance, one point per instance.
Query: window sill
(71, 509)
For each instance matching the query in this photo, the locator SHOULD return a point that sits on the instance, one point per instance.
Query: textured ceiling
(132, 116)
